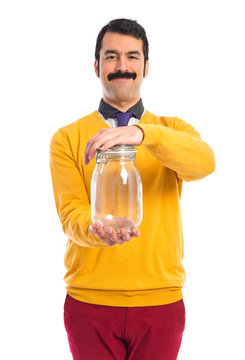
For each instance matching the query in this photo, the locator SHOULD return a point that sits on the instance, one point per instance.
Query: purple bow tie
(122, 118)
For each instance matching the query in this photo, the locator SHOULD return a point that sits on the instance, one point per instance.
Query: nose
(121, 65)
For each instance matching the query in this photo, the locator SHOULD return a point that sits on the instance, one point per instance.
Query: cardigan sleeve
(71, 198)
(179, 147)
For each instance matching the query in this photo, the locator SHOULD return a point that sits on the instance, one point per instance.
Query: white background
(47, 81)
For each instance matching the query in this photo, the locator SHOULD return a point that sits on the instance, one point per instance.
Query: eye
(108, 57)
(133, 57)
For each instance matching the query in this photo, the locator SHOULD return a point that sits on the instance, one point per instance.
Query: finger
(99, 231)
(113, 236)
(91, 229)
(87, 150)
(134, 232)
(93, 149)
(108, 242)
(104, 142)
(124, 234)
(90, 144)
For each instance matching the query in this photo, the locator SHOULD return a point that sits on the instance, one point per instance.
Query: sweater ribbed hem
(127, 298)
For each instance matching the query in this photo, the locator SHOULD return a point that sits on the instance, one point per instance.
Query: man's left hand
(112, 237)
(123, 135)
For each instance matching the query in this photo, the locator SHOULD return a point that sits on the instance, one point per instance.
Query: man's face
(121, 54)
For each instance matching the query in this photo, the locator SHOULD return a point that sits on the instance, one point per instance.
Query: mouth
(120, 80)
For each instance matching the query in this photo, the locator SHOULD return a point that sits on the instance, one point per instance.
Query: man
(124, 296)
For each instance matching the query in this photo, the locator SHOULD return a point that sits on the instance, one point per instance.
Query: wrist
(142, 134)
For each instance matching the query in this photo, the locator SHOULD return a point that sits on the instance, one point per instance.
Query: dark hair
(127, 27)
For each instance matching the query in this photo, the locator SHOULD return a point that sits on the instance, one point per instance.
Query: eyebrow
(134, 52)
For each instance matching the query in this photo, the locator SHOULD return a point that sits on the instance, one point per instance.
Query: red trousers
(97, 332)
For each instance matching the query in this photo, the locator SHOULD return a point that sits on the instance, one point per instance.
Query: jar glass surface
(116, 190)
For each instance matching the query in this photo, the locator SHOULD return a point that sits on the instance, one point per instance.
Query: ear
(146, 68)
(96, 68)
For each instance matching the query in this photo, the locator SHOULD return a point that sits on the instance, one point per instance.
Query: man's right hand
(110, 236)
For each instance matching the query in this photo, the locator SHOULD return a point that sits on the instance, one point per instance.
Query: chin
(123, 96)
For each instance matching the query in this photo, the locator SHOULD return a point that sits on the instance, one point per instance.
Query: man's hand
(114, 136)
(110, 236)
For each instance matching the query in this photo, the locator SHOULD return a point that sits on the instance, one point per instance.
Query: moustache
(121, 75)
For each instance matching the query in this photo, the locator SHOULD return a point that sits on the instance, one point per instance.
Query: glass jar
(116, 190)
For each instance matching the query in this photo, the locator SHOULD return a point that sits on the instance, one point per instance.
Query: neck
(121, 105)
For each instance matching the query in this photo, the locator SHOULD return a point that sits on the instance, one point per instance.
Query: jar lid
(116, 151)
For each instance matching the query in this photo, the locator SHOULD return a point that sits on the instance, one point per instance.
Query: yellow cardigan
(147, 270)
